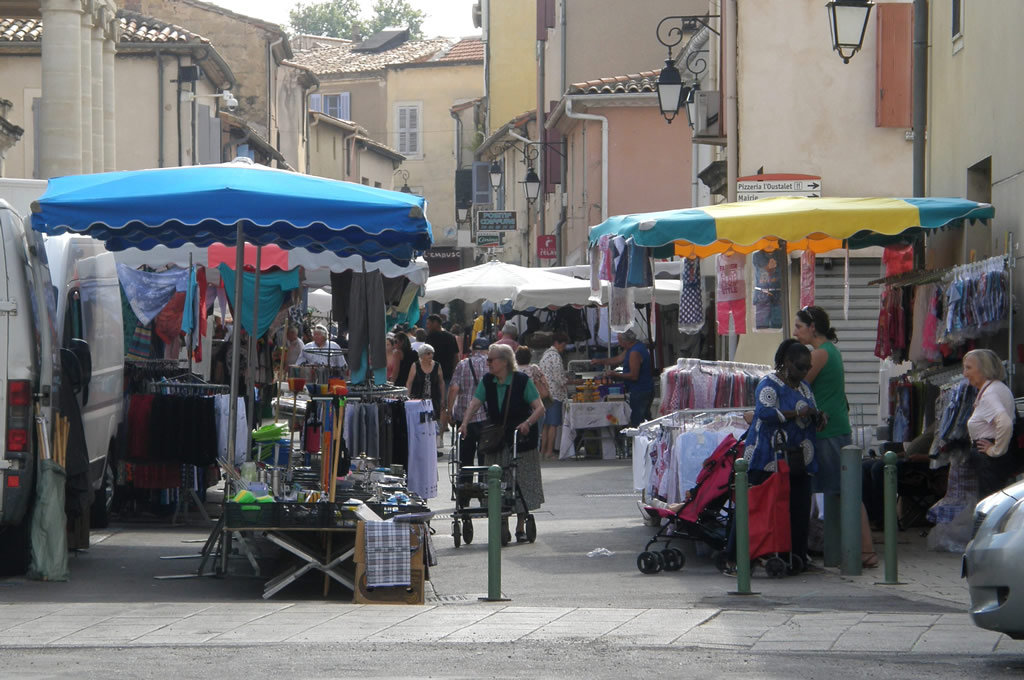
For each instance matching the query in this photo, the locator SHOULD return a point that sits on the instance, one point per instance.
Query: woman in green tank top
(828, 381)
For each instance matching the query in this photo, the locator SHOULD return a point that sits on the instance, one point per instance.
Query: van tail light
(19, 417)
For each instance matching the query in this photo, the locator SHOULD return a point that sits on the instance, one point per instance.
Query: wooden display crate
(413, 594)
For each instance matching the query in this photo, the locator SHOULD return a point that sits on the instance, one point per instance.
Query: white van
(59, 302)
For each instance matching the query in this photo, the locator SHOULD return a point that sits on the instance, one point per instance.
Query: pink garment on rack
(671, 403)
(929, 340)
(807, 278)
(704, 388)
(607, 258)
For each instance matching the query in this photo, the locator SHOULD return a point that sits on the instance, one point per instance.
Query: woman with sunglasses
(512, 399)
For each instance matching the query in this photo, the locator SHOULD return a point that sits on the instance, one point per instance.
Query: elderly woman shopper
(512, 400)
(991, 421)
(426, 380)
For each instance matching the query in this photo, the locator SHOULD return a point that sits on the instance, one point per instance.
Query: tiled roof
(646, 81)
(135, 28)
(344, 59)
(140, 29)
(467, 49)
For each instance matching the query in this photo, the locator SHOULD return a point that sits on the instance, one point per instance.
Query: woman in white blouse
(991, 421)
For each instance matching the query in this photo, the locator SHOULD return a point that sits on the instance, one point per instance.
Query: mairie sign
(756, 187)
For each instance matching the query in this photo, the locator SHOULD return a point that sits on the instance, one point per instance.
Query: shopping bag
(769, 514)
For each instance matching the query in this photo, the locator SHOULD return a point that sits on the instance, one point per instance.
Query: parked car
(992, 562)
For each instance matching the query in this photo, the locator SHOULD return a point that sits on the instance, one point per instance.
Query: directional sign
(496, 220)
(486, 239)
(756, 187)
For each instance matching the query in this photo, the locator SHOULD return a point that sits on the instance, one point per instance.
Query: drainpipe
(306, 124)
(458, 139)
(178, 116)
(160, 110)
(731, 107)
(270, 82)
(604, 150)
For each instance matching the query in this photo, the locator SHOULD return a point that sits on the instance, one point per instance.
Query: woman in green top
(511, 399)
(828, 381)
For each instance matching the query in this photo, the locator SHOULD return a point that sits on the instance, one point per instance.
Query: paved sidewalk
(176, 624)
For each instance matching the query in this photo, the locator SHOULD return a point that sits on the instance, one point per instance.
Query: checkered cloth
(961, 492)
(387, 554)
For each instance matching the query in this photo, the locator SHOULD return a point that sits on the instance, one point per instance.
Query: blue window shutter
(315, 102)
(345, 109)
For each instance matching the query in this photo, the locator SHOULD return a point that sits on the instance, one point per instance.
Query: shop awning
(203, 204)
(819, 224)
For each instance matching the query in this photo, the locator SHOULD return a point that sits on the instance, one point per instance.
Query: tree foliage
(396, 14)
(340, 18)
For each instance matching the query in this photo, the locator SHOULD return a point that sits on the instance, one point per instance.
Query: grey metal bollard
(891, 523)
(850, 511)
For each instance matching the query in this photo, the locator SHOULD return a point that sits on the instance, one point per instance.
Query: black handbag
(492, 437)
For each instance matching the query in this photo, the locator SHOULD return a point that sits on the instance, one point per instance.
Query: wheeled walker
(469, 483)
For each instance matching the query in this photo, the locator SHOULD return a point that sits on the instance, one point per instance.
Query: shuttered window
(335, 105)
(894, 96)
(408, 129)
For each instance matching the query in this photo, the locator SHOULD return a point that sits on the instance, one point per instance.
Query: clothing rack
(734, 365)
(185, 388)
(673, 419)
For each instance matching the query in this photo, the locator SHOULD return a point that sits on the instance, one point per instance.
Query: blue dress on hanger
(773, 396)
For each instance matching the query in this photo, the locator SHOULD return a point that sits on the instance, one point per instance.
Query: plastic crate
(252, 515)
(316, 516)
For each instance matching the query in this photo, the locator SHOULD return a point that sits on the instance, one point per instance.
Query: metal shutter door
(856, 334)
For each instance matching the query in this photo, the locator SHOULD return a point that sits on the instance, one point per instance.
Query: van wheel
(103, 501)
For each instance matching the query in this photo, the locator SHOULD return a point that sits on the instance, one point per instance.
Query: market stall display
(233, 203)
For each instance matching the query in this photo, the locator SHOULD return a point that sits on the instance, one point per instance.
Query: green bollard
(494, 520)
(741, 519)
(831, 548)
(849, 513)
(891, 523)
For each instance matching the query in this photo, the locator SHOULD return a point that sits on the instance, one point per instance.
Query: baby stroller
(704, 515)
(469, 483)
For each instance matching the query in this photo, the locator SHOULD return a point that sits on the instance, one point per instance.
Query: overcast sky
(448, 18)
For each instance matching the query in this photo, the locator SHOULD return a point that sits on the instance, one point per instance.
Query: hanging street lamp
(848, 21)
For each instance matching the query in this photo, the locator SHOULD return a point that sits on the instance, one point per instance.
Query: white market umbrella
(498, 281)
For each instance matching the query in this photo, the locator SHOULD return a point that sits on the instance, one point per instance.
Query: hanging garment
(639, 273)
(767, 298)
(691, 297)
(807, 275)
(731, 293)
(898, 259)
(273, 287)
(620, 309)
(222, 406)
(149, 292)
(357, 301)
(168, 322)
(422, 466)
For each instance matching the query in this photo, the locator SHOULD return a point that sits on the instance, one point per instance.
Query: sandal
(869, 560)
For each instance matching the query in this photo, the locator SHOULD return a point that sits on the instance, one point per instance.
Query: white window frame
(401, 143)
(958, 37)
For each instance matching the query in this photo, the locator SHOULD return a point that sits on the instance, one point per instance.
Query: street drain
(449, 598)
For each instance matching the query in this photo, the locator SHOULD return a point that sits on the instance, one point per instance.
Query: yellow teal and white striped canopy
(819, 224)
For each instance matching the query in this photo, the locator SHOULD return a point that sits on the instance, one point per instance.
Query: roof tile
(345, 59)
(135, 28)
(645, 81)
(467, 49)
